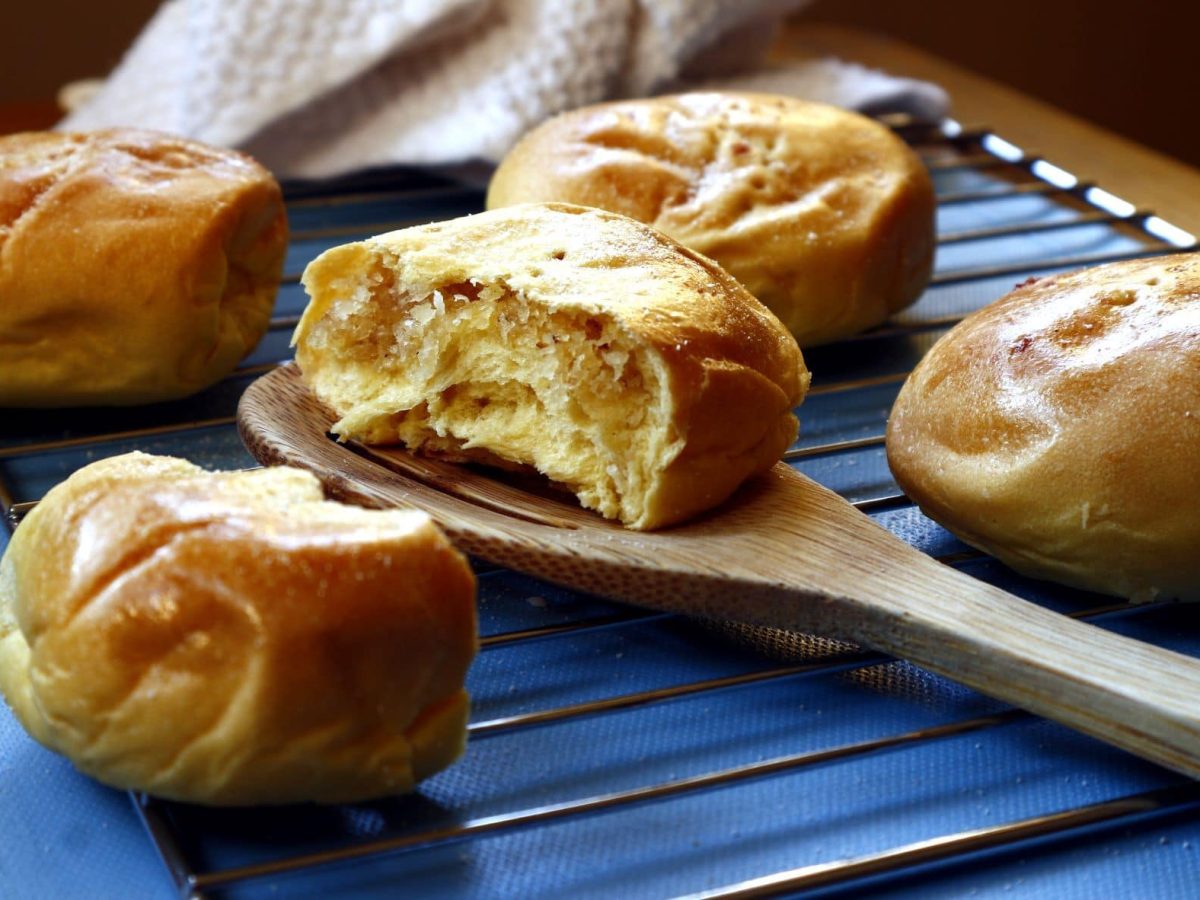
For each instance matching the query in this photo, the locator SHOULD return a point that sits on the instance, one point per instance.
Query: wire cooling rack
(613, 750)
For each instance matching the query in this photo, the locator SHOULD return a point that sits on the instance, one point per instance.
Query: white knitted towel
(321, 87)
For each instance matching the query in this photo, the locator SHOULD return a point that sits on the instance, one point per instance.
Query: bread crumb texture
(233, 638)
(821, 213)
(576, 342)
(134, 266)
(1059, 429)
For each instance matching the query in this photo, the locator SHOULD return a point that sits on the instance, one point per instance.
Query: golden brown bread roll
(1059, 429)
(134, 266)
(233, 638)
(823, 214)
(581, 343)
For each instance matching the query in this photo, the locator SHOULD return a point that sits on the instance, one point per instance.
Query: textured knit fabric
(320, 87)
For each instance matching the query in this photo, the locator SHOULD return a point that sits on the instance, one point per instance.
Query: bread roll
(581, 343)
(824, 215)
(134, 266)
(233, 638)
(1059, 429)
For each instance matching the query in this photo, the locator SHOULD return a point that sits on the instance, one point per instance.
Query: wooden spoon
(783, 552)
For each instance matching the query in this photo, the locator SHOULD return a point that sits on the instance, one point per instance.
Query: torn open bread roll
(581, 343)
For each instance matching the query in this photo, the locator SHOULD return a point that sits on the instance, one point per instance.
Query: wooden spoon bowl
(783, 552)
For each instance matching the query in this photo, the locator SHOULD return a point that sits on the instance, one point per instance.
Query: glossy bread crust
(233, 638)
(1059, 429)
(134, 266)
(822, 214)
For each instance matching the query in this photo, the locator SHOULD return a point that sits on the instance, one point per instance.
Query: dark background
(1127, 66)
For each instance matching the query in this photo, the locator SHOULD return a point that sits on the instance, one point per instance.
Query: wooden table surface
(1146, 178)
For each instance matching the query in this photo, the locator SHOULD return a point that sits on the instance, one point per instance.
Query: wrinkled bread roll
(1059, 429)
(233, 638)
(822, 214)
(134, 266)
(581, 343)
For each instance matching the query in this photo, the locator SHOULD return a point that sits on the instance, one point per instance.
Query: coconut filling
(480, 372)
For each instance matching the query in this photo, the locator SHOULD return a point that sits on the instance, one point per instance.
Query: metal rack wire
(1071, 224)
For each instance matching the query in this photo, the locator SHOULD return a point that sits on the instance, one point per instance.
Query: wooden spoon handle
(1136, 696)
